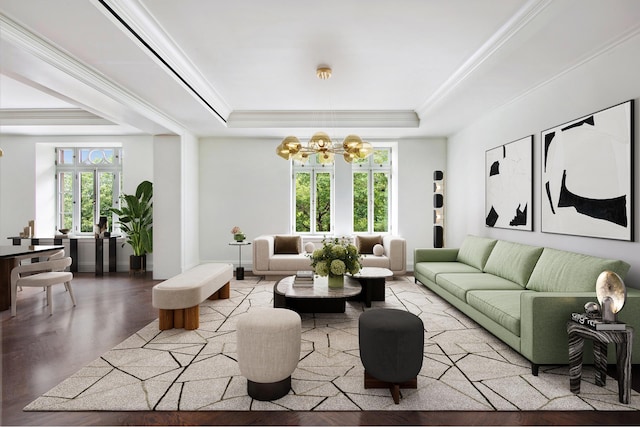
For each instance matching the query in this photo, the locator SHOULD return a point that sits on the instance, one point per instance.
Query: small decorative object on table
(303, 278)
(335, 258)
(238, 235)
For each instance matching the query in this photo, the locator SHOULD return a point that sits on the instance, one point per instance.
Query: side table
(239, 268)
(623, 339)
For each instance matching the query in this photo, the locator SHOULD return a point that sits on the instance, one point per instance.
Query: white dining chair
(43, 274)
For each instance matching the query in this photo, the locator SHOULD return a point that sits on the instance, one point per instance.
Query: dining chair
(43, 274)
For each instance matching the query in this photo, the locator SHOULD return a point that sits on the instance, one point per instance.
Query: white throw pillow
(309, 247)
(378, 250)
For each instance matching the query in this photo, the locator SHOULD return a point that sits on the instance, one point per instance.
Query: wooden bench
(179, 297)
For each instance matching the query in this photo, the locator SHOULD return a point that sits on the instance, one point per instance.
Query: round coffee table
(318, 298)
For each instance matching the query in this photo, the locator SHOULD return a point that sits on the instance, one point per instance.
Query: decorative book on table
(597, 324)
(303, 278)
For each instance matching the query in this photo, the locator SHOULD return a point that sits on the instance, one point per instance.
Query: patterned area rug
(465, 367)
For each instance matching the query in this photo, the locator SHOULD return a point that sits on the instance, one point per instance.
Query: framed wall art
(509, 185)
(587, 175)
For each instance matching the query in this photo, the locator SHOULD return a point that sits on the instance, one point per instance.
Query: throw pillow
(378, 249)
(365, 244)
(286, 245)
(309, 248)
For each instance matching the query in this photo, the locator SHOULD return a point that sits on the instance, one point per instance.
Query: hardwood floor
(39, 351)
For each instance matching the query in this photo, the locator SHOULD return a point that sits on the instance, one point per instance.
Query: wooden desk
(10, 257)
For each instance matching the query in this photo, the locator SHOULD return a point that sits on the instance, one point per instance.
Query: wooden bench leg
(192, 318)
(222, 293)
(165, 318)
(187, 318)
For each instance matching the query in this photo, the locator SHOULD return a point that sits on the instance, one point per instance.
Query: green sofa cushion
(459, 284)
(432, 269)
(475, 251)
(513, 261)
(503, 307)
(561, 271)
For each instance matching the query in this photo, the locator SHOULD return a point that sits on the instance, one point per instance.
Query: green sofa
(522, 294)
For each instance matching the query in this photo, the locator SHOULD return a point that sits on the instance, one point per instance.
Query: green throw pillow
(560, 271)
(513, 261)
(475, 250)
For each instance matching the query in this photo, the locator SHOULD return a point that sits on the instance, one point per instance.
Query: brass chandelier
(352, 148)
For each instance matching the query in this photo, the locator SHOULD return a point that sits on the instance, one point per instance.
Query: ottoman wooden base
(188, 318)
(269, 391)
(222, 293)
(371, 382)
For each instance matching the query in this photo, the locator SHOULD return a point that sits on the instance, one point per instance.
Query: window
(372, 192)
(88, 183)
(313, 196)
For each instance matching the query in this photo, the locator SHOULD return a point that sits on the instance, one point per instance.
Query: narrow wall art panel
(587, 172)
(509, 185)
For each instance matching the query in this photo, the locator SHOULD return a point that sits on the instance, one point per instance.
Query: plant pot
(336, 282)
(138, 263)
(239, 237)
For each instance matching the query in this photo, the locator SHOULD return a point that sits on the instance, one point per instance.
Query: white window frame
(312, 166)
(368, 166)
(76, 168)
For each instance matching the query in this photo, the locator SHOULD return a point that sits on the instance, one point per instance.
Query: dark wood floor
(39, 351)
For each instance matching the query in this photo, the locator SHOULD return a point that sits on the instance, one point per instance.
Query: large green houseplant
(135, 217)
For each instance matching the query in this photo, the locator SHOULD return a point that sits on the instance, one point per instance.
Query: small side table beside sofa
(623, 339)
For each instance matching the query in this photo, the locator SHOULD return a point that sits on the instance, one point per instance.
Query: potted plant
(135, 217)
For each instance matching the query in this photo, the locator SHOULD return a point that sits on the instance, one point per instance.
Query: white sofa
(267, 262)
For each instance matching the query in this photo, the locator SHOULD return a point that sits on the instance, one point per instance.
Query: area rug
(464, 367)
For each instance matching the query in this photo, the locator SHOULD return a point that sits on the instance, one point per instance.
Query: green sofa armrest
(435, 255)
(544, 315)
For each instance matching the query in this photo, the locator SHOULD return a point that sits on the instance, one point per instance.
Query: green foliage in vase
(336, 257)
(136, 218)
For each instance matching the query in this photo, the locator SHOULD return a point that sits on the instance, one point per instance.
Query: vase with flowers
(238, 235)
(335, 258)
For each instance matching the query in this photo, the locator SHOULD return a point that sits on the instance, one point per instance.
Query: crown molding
(334, 119)
(50, 117)
(140, 25)
(516, 23)
(29, 43)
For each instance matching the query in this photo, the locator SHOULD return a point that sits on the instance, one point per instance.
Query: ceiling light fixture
(352, 147)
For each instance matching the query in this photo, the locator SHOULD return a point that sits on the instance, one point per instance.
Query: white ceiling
(401, 68)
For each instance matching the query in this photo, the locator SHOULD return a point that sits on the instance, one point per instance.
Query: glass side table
(239, 268)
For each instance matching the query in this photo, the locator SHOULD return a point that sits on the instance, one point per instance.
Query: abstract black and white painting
(509, 185)
(587, 171)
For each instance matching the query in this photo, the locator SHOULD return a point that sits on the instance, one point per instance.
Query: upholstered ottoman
(391, 349)
(268, 350)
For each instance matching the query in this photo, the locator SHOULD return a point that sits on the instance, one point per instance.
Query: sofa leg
(534, 369)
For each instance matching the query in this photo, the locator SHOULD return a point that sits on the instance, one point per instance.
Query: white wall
(168, 227)
(190, 201)
(244, 183)
(604, 81)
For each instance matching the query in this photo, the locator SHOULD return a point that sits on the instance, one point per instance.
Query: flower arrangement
(335, 258)
(238, 235)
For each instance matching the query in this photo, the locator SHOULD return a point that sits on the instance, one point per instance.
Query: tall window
(372, 192)
(88, 183)
(313, 196)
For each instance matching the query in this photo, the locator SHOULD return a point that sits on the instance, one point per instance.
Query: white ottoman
(268, 350)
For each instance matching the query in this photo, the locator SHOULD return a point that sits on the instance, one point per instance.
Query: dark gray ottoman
(391, 349)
